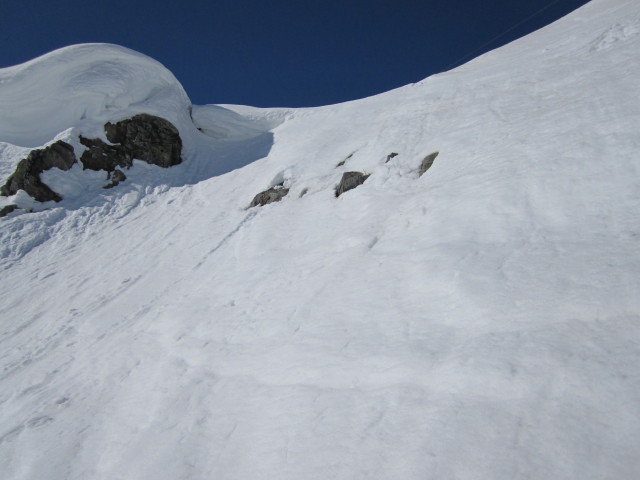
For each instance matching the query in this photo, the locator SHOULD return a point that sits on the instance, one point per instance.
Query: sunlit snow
(481, 321)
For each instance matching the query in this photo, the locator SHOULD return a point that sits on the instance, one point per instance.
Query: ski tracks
(227, 237)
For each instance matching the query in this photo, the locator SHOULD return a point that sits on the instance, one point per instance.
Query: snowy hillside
(480, 321)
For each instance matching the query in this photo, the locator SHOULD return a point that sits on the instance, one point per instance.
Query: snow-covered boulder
(149, 138)
(27, 174)
(349, 181)
(143, 137)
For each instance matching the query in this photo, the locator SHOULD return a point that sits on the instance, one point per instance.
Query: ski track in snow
(481, 321)
(227, 237)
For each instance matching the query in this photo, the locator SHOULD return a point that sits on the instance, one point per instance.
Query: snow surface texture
(479, 322)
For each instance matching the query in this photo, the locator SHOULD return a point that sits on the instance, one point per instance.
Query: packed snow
(481, 321)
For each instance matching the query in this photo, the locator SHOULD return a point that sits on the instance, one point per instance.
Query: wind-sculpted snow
(72, 93)
(478, 321)
(82, 85)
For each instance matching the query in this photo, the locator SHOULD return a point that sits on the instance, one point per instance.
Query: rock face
(349, 181)
(427, 162)
(27, 174)
(274, 194)
(144, 137)
(390, 156)
(149, 138)
(102, 156)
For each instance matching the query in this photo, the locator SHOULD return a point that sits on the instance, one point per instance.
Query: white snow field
(481, 321)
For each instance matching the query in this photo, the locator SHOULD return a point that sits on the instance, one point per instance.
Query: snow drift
(43, 97)
(478, 321)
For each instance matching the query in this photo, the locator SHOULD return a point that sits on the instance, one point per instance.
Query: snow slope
(479, 322)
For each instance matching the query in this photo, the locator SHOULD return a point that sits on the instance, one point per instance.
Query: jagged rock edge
(145, 137)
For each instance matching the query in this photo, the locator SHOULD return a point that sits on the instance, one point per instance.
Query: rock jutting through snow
(349, 181)
(142, 137)
(426, 163)
(273, 194)
(27, 174)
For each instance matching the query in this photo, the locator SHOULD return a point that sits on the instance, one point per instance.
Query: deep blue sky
(279, 53)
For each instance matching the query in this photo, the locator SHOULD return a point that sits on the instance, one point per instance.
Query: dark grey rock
(427, 162)
(349, 181)
(102, 156)
(148, 138)
(390, 156)
(144, 137)
(274, 194)
(7, 209)
(116, 177)
(27, 174)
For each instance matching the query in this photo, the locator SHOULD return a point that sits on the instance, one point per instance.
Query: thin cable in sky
(500, 35)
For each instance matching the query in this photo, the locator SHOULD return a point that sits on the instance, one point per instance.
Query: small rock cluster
(349, 181)
(142, 137)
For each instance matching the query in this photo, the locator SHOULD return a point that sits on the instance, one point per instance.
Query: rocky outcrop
(349, 181)
(27, 174)
(426, 163)
(7, 209)
(148, 138)
(143, 137)
(273, 194)
(102, 156)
